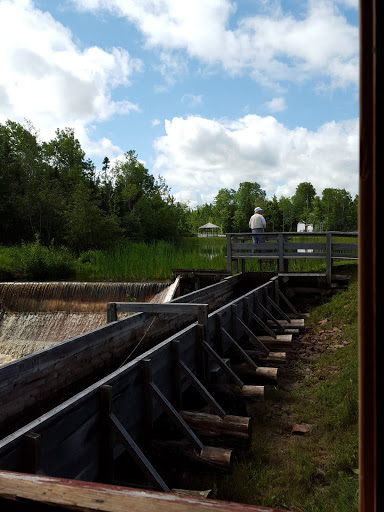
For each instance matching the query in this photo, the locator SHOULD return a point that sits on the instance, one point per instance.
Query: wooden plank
(88, 496)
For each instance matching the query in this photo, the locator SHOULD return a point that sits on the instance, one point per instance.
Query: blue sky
(209, 93)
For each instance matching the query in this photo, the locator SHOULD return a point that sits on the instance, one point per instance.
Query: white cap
(258, 209)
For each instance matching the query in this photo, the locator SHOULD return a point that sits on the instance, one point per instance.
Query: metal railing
(282, 247)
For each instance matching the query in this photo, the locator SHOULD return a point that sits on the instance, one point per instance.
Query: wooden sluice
(225, 346)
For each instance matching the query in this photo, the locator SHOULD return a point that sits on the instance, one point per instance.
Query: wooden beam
(202, 390)
(137, 455)
(92, 497)
(253, 338)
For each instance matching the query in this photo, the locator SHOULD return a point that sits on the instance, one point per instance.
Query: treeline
(51, 191)
(334, 210)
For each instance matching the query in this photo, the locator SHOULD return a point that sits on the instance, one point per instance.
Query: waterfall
(35, 316)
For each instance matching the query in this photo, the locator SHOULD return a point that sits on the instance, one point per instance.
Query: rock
(301, 429)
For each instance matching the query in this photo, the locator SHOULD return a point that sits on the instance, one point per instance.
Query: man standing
(257, 223)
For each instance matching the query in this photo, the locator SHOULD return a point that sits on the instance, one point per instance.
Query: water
(35, 316)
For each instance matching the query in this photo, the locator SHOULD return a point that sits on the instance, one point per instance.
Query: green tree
(339, 209)
(303, 203)
(224, 209)
(287, 214)
(248, 196)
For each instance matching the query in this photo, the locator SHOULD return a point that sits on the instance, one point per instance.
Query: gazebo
(209, 229)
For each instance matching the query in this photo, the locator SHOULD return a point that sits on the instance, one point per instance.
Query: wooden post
(176, 378)
(31, 452)
(229, 253)
(200, 355)
(111, 312)
(106, 445)
(280, 242)
(328, 258)
(148, 405)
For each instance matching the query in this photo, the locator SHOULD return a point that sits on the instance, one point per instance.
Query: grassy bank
(127, 261)
(317, 471)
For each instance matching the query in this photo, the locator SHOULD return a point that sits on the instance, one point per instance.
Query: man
(257, 223)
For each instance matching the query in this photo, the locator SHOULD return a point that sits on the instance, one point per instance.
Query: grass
(318, 471)
(128, 261)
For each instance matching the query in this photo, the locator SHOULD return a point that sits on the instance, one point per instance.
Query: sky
(209, 93)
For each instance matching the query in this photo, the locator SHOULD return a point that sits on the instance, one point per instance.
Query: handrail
(283, 246)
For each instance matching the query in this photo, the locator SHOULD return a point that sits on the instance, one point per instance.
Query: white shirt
(257, 221)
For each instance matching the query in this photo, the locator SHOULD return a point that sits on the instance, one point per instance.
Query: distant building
(209, 229)
(301, 227)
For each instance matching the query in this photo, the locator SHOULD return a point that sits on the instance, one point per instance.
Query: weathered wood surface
(35, 491)
(210, 425)
(37, 382)
(73, 436)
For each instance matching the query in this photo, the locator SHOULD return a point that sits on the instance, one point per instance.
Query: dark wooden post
(31, 452)
(280, 242)
(229, 253)
(111, 312)
(106, 442)
(328, 258)
(176, 375)
(148, 400)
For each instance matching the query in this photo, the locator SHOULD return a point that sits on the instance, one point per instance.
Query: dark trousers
(259, 239)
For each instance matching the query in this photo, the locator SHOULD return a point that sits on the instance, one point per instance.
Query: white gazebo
(209, 229)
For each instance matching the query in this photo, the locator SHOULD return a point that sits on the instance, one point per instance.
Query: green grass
(129, 261)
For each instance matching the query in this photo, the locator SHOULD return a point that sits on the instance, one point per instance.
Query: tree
(303, 202)
(287, 214)
(273, 215)
(339, 210)
(248, 196)
(224, 209)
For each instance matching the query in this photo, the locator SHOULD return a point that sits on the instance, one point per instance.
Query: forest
(52, 192)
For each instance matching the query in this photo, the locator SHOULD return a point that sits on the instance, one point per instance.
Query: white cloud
(47, 79)
(206, 155)
(276, 104)
(318, 43)
(192, 100)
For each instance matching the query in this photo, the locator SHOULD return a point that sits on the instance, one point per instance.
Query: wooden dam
(167, 381)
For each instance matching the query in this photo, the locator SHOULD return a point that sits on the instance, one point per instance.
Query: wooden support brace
(223, 364)
(272, 319)
(291, 307)
(277, 308)
(240, 350)
(253, 338)
(202, 390)
(137, 455)
(262, 324)
(176, 418)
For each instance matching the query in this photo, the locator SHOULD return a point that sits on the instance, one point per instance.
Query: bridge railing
(282, 247)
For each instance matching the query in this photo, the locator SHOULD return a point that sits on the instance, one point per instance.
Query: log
(281, 342)
(261, 372)
(210, 425)
(182, 452)
(273, 357)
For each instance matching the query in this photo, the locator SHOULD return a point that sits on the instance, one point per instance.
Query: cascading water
(34, 316)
